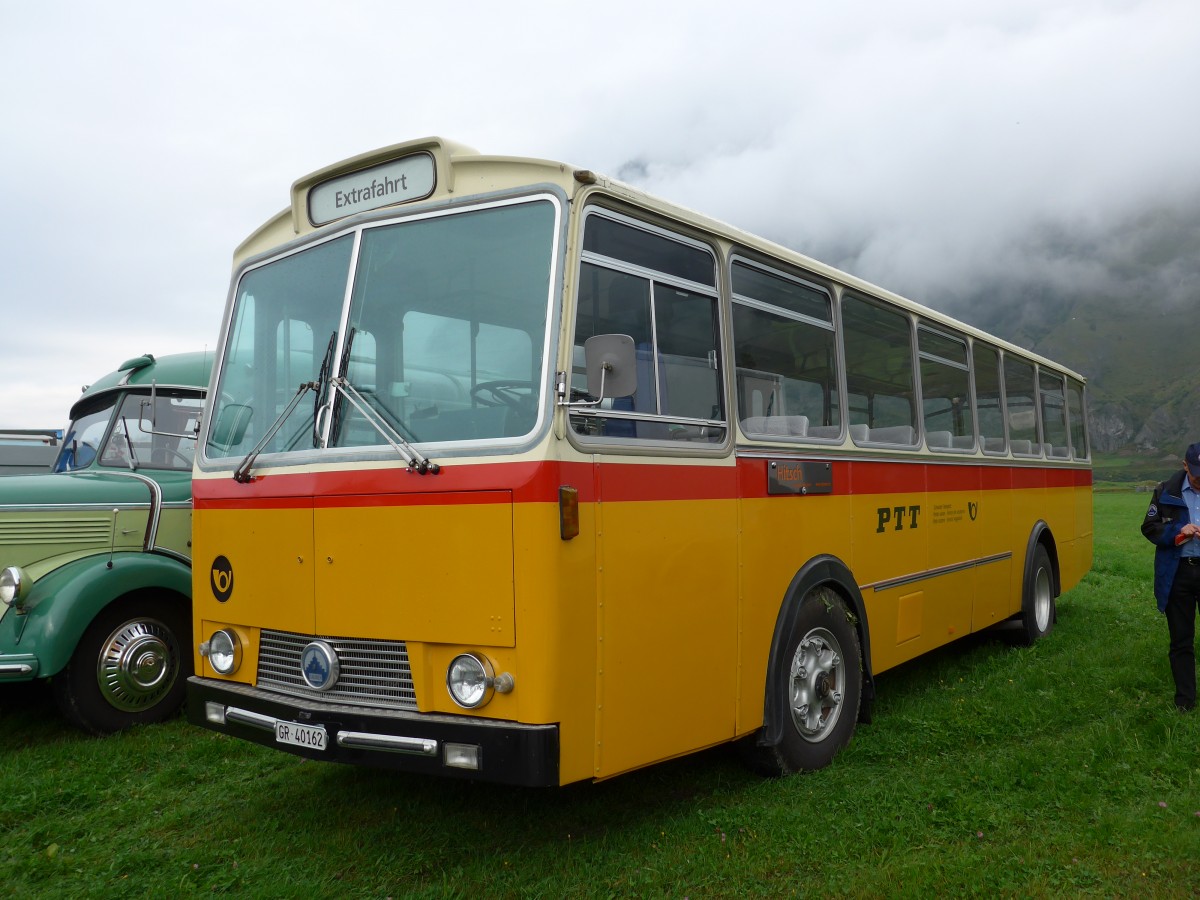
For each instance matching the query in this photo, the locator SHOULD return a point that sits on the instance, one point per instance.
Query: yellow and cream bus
(513, 472)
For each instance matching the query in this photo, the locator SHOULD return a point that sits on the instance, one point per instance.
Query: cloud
(929, 147)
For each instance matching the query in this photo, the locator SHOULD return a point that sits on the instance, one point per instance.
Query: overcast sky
(924, 146)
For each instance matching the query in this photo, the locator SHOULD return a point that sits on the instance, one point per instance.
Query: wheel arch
(64, 603)
(820, 571)
(1041, 534)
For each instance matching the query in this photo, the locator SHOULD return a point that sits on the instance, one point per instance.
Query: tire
(819, 678)
(1038, 610)
(129, 668)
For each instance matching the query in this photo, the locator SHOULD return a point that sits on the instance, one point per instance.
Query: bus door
(666, 521)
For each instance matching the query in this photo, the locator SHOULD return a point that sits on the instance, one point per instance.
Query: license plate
(311, 736)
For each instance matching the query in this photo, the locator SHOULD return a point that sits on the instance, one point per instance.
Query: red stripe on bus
(885, 477)
(526, 482)
(533, 482)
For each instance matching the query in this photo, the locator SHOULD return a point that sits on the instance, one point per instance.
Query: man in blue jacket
(1173, 525)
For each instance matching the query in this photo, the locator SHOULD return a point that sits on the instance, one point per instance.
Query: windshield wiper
(322, 375)
(416, 462)
(242, 473)
(129, 444)
(335, 426)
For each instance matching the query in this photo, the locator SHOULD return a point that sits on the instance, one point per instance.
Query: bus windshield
(445, 337)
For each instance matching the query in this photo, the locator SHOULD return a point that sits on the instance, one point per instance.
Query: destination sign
(397, 181)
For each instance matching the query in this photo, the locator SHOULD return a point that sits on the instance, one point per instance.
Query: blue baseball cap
(1192, 459)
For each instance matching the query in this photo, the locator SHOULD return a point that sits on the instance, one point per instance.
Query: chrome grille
(373, 673)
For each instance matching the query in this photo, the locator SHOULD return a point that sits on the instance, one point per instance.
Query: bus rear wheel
(819, 676)
(129, 668)
(1037, 600)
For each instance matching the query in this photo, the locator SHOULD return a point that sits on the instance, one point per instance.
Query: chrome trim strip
(155, 514)
(175, 555)
(934, 573)
(361, 740)
(84, 507)
(253, 719)
(358, 740)
(641, 417)
(761, 446)
(16, 669)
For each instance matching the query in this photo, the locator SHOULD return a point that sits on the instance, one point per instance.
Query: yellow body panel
(175, 530)
(441, 574)
(270, 553)
(667, 630)
(556, 616)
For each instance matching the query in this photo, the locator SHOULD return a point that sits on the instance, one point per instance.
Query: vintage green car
(95, 556)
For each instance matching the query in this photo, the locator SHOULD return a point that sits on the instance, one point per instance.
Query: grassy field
(1062, 769)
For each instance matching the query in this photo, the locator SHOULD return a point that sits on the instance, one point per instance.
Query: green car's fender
(63, 603)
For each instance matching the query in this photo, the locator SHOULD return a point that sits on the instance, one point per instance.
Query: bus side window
(945, 391)
(785, 354)
(989, 402)
(1053, 407)
(1021, 407)
(879, 373)
(672, 318)
(1078, 421)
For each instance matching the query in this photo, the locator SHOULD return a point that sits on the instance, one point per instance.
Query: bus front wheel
(819, 676)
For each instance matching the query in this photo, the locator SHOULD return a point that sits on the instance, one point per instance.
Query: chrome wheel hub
(136, 666)
(1041, 600)
(818, 683)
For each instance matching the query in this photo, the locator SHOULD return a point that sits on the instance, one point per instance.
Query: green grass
(1061, 769)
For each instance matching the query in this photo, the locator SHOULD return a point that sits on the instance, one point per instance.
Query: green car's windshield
(81, 443)
(445, 338)
(143, 435)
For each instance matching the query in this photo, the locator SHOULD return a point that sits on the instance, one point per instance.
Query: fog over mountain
(1008, 162)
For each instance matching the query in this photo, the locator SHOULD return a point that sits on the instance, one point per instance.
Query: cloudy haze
(932, 147)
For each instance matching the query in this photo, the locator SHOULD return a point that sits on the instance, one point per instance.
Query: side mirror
(152, 405)
(230, 426)
(611, 371)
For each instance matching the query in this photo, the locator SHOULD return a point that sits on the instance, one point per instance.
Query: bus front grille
(372, 673)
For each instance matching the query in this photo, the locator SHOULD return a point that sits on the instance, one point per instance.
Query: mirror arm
(605, 368)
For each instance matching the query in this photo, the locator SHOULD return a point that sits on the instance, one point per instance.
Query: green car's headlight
(14, 585)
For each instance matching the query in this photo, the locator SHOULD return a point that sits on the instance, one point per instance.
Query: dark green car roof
(179, 370)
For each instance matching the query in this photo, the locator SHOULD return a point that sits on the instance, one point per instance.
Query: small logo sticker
(1152, 511)
(221, 578)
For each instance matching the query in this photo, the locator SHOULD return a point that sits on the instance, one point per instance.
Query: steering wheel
(181, 457)
(504, 393)
(83, 459)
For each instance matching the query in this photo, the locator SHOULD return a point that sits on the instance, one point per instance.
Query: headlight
(470, 681)
(13, 586)
(224, 651)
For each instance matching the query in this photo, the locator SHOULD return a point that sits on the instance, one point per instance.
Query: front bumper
(507, 752)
